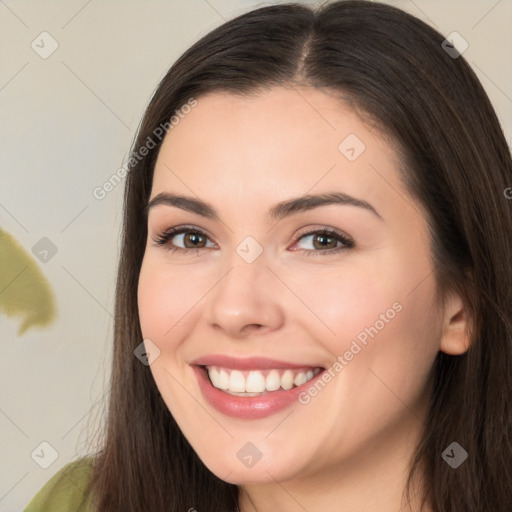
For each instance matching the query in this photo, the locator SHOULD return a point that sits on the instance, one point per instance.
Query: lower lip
(250, 407)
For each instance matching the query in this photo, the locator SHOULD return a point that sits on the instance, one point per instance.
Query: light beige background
(66, 125)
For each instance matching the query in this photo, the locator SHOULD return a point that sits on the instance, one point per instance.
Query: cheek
(342, 301)
(398, 348)
(380, 313)
(149, 302)
(386, 338)
(163, 305)
(161, 300)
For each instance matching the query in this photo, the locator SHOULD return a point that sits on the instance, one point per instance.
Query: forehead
(280, 143)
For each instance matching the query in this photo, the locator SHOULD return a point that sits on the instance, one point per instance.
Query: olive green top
(65, 491)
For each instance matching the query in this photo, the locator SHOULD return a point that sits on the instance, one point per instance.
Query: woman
(250, 376)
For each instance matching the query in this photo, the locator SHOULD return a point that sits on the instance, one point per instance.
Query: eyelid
(312, 230)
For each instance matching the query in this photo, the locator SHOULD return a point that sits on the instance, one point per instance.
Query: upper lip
(249, 363)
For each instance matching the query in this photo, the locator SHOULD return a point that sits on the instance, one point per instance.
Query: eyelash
(164, 237)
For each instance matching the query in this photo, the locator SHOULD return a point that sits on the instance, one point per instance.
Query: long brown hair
(393, 69)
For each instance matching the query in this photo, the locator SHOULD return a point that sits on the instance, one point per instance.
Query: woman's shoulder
(66, 491)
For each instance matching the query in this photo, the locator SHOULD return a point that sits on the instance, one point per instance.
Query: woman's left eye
(322, 239)
(325, 238)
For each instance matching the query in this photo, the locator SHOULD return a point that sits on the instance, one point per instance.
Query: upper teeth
(258, 381)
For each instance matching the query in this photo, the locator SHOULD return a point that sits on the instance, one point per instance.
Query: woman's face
(255, 281)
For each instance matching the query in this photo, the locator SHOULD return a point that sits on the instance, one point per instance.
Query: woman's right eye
(186, 235)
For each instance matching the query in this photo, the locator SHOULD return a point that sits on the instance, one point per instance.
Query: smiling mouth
(258, 382)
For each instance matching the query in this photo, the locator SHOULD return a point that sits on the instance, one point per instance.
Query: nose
(246, 300)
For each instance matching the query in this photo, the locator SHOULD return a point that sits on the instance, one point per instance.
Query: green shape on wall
(24, 290)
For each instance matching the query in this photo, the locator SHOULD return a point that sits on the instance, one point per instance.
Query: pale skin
(349, 448)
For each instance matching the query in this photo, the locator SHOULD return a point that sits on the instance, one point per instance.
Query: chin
(234, 471)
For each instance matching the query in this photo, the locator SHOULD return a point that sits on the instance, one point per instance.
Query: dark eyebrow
(277, 212)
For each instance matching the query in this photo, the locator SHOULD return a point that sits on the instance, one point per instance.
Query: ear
(457, 326)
